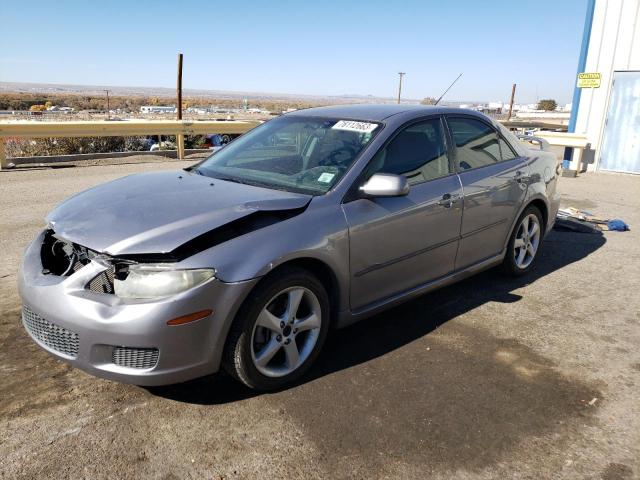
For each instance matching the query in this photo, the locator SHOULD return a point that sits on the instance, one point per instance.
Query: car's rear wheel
(522, 250)
(279, 330)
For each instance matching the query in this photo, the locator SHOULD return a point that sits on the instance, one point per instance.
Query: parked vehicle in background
(315, 219)
(164, 145)
(214, 140)
(210, 141)
(147, 143)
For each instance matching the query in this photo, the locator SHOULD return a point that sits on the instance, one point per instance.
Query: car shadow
(384, 333)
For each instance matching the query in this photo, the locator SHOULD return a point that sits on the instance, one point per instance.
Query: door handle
(448, 199)
(521, 177)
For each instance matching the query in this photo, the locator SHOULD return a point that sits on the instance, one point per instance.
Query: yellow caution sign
(589, 80)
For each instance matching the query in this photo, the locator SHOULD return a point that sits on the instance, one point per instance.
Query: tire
(259, 350)
(516, 261)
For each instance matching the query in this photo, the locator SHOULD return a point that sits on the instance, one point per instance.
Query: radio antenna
(448, 88)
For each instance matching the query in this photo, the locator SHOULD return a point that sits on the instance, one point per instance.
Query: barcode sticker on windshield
(350, 125)
(326, 177)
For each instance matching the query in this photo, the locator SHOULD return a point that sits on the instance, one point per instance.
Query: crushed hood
(155, 213)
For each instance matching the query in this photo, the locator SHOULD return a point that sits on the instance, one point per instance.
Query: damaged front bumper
(125, 340)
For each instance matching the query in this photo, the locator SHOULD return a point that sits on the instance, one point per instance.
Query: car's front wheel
(524, 243)
(279, 330)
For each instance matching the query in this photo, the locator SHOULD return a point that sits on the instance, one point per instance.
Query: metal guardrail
(564, 139)
(125, 128)
(531, 139)
(180, 128)
(578, 142)
(533, 124)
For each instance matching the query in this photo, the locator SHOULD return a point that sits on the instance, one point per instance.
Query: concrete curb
(96, 156)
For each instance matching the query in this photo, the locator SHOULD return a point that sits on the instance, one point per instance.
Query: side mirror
(385, 185)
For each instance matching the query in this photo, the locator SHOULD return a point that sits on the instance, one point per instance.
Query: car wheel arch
(541, 204)
(322, 271)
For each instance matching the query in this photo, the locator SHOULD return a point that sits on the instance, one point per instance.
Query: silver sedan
(313, 220)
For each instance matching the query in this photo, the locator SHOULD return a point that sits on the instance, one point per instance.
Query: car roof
(374, 112)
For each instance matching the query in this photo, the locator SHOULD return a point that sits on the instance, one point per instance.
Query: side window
(418, 152)
(477, 143)
(506, 150)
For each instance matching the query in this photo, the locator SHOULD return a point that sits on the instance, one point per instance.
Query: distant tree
(548, 105)
(37, 108)
(48, 104)
(429, 101)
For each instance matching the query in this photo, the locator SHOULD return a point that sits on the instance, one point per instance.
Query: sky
(326, 47)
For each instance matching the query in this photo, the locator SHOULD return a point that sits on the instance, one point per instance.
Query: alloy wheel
(527, 241)
(286, 331)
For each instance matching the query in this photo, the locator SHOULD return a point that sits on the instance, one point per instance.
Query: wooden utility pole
(3, 155)
(401, 74)
(179, 86)
(180, 137)
(108, 106)
(513, 95)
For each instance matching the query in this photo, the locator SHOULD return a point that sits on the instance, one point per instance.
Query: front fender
(318, 233)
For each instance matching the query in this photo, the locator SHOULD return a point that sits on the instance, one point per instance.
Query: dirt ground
(491, 378)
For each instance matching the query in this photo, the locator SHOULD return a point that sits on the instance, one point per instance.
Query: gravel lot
(491, 378)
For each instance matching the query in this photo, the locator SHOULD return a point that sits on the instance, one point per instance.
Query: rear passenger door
(494, 182)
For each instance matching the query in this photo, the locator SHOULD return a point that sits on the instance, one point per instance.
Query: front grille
(53, 336)
(79, 264)
(135, 357)
(103, 282)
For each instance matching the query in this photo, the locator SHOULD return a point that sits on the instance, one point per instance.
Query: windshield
(297, 154)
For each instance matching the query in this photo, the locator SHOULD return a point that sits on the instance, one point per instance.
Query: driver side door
(398, 243)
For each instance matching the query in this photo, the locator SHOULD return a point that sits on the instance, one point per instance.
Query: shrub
(548, 104)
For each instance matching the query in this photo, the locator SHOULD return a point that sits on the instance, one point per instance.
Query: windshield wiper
(234, 180)
(217, 176)
(256, 183)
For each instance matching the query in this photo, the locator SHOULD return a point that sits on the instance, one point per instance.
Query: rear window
(476, 143)
(513, 141)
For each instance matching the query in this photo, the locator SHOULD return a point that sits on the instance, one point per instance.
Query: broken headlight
(60, 257)
(157, 280)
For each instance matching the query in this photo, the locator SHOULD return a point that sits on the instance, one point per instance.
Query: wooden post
(3, 155)
(180, 137)
(180, 141)
(513, 95)
(576, 160)
(400, 74)
(179, 86)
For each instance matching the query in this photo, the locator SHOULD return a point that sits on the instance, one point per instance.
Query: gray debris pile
(574, 220)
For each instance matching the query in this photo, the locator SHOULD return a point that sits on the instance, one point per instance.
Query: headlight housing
(158, 280)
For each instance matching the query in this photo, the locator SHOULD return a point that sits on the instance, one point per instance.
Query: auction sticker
(326, 177)
(352, 126)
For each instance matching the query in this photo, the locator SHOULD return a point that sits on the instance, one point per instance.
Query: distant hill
(98, 90)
